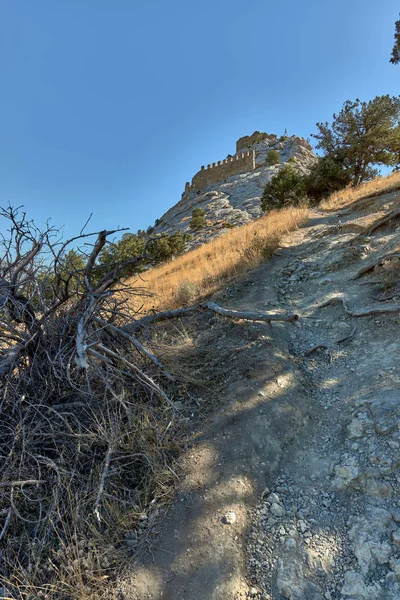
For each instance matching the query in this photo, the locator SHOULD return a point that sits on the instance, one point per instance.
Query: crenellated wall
(240, 163)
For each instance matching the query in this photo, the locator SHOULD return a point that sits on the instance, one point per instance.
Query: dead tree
(86, 418)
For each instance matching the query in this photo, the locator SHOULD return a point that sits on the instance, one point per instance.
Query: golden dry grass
(376, 187)
(205, 269)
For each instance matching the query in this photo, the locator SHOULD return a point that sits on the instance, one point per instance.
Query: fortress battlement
(222, 169)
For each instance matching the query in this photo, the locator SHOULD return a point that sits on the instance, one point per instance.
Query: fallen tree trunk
(224, 312)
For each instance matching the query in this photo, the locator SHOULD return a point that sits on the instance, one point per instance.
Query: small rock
(381, 552)
(395, 512)
(302, 526)
(253, 591)
(396, 537)
(354, 586)
(277, 510)
(229, 518)
(290, 579)
(395, 566)
(273, 499)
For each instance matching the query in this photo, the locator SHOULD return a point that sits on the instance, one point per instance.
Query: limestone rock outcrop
(231, 200)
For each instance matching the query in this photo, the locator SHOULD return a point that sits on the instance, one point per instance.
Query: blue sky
(109, 106)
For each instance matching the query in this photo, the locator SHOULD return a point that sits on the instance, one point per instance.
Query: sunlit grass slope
(379, 185)
(205, 269)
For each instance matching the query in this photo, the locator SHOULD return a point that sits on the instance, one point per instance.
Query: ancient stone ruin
(218, 171)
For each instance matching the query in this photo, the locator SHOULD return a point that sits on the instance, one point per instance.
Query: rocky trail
(292, 490)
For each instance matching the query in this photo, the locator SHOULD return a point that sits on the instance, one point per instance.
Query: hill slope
(308, 426)
(235, 201)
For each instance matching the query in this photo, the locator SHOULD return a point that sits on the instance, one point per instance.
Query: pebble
(277, 510)
(229, 518)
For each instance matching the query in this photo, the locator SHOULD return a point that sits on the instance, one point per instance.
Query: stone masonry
(254, 138)
(223, 169)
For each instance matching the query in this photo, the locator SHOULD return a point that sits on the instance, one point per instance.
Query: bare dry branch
(224, 312)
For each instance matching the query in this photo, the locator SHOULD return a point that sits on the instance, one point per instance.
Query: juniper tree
(363, 135)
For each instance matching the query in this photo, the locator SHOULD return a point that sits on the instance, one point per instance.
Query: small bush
(198, 220)
(326, 177)
(186, 293)
(286, 188)
(292, 160)
(227, 225)
(273, 158)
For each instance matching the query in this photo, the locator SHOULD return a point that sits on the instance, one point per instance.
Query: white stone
(381, 552)
(277, 510)
(289, 579)
(355, 588)
(229, 518)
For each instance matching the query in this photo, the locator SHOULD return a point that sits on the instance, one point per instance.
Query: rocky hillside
(236, 201)
(293, 491)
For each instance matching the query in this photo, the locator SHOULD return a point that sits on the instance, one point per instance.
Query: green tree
(362, 135)
(285, 188)
(128, 246)
(167, 246)
(395, 59)
(273, 157)
(325, 177)
(67, 276)
(198, 220)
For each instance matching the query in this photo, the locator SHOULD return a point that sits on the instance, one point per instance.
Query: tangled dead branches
(84, 423)
(88, 433)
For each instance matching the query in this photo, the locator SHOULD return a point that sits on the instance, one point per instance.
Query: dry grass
(202, 271)
(376, 187)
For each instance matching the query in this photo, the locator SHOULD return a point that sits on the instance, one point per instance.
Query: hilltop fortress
(229, 191)
(250, 154)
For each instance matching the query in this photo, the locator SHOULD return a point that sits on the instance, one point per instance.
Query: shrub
(166, 246)
(326, 177)
(273, 157)
(186, 293)
(198, 219)
(227, 225)
(286, 188)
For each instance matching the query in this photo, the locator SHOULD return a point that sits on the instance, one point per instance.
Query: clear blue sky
(109, 106)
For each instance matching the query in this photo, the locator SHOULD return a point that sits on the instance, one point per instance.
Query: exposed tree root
(394, 214)
(366, 313)
(371, 266)
(323, 346)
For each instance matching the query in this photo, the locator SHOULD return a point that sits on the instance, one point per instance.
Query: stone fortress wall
(234, 165)
(254, 138)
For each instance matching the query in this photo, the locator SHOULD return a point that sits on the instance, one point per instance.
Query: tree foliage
(158, 249)
(325, 177)
(363, 135)
(273, 158)
(395, 59)
(166, 247)
(285, 188)
(198, 220)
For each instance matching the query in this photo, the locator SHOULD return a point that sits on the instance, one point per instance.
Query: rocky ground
(292, 490)
(236, 201)
(328, 527)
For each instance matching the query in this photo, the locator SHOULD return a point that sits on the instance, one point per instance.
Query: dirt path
(315, 435)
